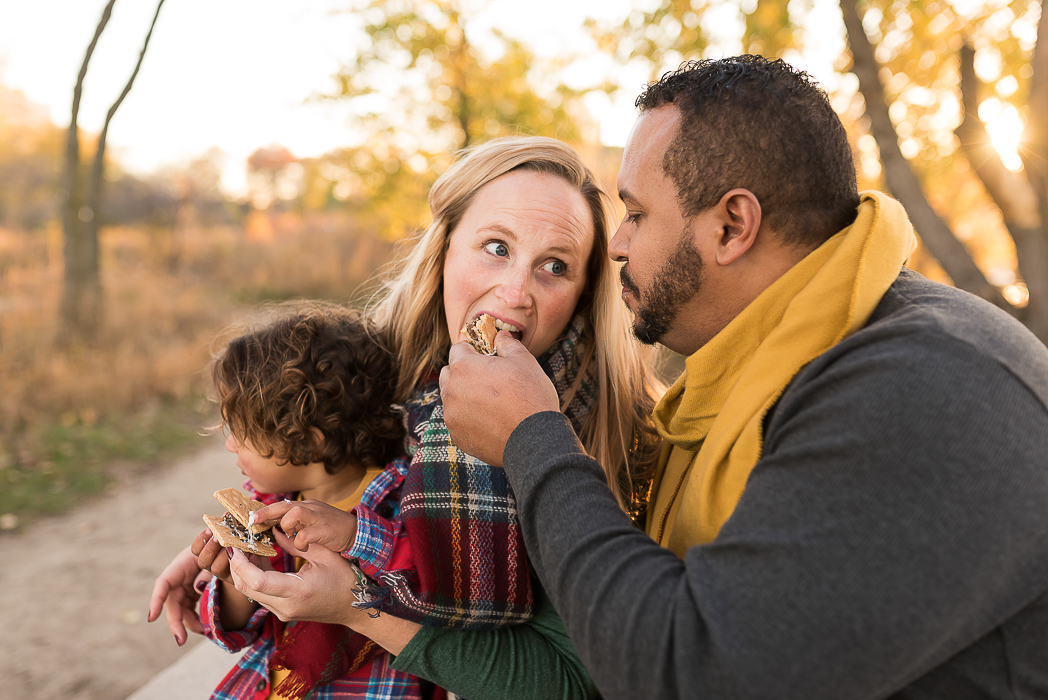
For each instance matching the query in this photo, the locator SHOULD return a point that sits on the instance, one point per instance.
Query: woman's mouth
(508, 327)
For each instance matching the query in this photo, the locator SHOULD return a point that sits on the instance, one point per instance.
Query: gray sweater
(892, 540)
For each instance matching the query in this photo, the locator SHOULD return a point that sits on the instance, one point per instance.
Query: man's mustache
(628, 282)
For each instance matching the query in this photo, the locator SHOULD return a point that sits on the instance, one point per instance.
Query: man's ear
(740, 214)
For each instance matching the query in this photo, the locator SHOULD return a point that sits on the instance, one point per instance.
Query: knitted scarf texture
(712, 417)
(471, 569)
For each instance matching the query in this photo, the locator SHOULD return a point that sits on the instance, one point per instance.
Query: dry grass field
(136, 392)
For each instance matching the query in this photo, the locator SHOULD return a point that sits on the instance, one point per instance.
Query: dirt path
(73, 598)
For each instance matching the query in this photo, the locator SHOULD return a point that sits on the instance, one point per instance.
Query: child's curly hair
(320, 366)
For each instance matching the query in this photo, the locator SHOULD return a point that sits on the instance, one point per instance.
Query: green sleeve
(531, 661)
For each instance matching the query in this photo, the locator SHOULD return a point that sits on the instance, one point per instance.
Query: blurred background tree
(82, 300)
(941, 99)
(426, 82)
(937, 99)
(30, 151)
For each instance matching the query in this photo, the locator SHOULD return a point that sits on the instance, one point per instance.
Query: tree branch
(80, 278)
(899, 176)
(72, 175)
(1032, 245)
(1012, 193)
(98, 169)
(1038, 101)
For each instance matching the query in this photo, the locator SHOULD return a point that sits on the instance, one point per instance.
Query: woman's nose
(515, 290)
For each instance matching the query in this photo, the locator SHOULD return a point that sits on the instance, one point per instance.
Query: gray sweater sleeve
(896, 518)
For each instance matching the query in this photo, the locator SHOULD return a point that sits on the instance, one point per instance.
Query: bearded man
(852, 499)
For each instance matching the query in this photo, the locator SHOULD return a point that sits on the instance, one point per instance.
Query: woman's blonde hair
(410, 309)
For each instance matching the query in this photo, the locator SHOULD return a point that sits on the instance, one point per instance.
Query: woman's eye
(556, 267)
(631, 218)
(497, 248)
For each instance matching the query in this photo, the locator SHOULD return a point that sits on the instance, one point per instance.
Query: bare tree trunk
(94, 195)
(1034, 258)
(81, 294)
(899, 176)
(1021, 209)
(463, 109)
(82, 306)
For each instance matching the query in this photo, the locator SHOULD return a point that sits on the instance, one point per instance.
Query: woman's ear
(740, 214)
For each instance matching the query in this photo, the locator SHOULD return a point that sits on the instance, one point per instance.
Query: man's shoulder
(950, 344)
(922, 320)
(914, 299)
(933, 362)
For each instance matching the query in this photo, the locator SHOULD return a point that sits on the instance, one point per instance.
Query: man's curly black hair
(764, 126)
(321, 367)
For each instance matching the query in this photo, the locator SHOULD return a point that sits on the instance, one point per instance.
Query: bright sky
(235, 74)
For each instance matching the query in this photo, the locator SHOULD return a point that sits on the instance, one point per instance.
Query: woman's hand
(321, 591)
(174, 592)
(311, 522)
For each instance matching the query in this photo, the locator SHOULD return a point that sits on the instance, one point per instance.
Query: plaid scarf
(316, 653)
(471, 568)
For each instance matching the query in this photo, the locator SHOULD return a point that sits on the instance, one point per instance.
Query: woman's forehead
(529, 206)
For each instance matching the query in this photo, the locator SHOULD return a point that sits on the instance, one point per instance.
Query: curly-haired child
(306, 402)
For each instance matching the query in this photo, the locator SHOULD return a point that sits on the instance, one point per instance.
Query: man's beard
(675, 284)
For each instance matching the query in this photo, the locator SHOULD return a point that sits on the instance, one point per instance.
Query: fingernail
(200, 586)
(177, 640)
(229, 551)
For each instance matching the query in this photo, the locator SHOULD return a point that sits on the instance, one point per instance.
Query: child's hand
(311, 522)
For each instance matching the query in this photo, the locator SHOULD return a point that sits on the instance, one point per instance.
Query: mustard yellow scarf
(718, 405)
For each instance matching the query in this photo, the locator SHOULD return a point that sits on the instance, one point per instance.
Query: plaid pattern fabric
(561, 364)
(249, 680)
(376, 535)
(470, 566)
(372, 679)
(373, 546)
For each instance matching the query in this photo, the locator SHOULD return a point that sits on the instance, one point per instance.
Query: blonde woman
(519, 231)
(414, 305)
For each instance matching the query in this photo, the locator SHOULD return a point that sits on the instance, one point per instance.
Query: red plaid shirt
(250, 678)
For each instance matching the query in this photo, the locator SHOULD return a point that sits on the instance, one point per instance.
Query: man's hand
(485, 398)
(311, 522)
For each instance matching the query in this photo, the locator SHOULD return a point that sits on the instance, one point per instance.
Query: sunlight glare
(1006, 130)
(1017, 294)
